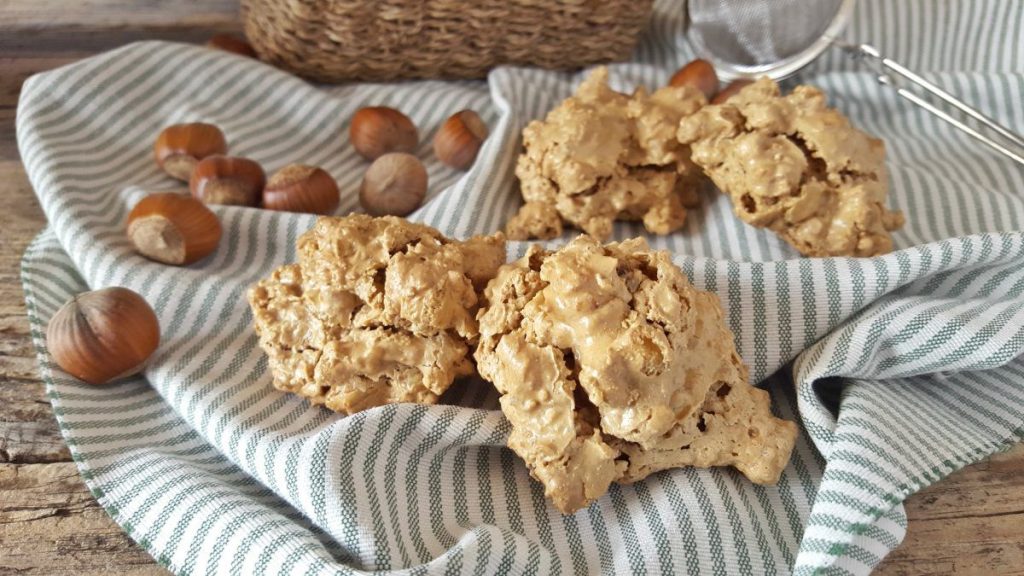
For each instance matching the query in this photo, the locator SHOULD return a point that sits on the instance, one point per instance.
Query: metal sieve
(777, 38)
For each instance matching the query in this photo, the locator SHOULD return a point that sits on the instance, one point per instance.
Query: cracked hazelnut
(459, 139)
(378, 130)
(227, 180)
(700, 74)
(103, 335)
(301, 188)
(179, 147)
(231, 43)
(395, 184)
(173, 228)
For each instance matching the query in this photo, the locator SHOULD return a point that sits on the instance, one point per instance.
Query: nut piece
(179, 147)
(103, 335)
(458, 141)
(301, 188)
(395, 184)
(377, 310)
(797, 167)
(730, 90)
(173, 228)
(377, 130)
(231, 43)
(698, 73)
(227, 180)
(612, 366)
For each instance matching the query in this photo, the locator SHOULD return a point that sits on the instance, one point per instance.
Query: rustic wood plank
(969, 523)
(28, 432)
(50, 524)
(33, 27)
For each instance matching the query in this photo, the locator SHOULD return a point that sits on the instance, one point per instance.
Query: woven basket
(342, 40)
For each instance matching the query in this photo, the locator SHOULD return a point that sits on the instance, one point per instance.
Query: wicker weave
(341, 40)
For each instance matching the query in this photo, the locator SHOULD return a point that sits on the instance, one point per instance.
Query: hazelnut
(730, 90)
(395, 184)
(700, 74)
(377, 130)
(231, 43)
(300, 188)
(458, 141)
(227, 180)
(179, 147)
(173, 228)
(103, 335)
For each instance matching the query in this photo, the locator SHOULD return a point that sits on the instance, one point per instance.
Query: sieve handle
(883, 66)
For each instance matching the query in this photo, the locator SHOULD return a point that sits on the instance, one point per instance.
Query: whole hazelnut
(179, 147)
(700, 74)
(730, 90)
(377, 130)
(459, 139)
(301, 188)
(103, 335)
(395, 184)
(173, 228)
(231, 43)
(227, 180)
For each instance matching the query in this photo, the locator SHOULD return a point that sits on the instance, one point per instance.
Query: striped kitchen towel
(900, 369)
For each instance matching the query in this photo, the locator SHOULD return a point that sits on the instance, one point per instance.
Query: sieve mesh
(744, 34)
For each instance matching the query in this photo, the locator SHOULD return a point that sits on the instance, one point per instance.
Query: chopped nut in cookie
(612, 366)
(797, 167)
(377, 310)
(603, 156)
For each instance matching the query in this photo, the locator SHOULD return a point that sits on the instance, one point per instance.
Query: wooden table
(972, 522)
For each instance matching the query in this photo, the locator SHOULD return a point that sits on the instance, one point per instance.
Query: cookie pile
(788, 163)
(611, 366)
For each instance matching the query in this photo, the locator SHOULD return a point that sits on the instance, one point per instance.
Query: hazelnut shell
(173, 228)
(395, 184)
(458, 141)
(301, 188)
(103, 335)
(231, 43)
(730, 90)
(228, 180)
(378, 130)
(698, 73)
(179, 147)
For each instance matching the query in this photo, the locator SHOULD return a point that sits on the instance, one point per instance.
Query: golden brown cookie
(377, 310)
(612, 366)
(602, 156)
(795, 166)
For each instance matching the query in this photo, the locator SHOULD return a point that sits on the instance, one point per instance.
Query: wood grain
(970, 523)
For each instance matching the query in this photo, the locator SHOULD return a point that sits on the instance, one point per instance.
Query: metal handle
(884, 66)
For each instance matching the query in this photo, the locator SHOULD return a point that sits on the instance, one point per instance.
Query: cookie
(612, 366)
(602, 156)
(377, 310)
(797, 167)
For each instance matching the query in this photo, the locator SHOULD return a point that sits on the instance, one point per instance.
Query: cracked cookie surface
(377, 310)
(797, 167)
(612, 366)
(602, 156)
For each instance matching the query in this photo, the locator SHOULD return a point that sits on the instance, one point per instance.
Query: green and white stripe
(901, 369)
